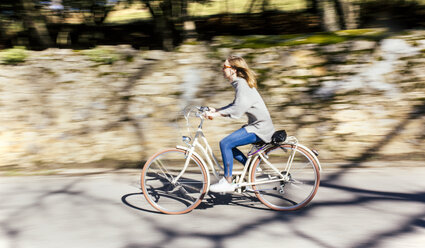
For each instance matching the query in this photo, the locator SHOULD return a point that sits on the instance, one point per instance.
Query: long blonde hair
(243, 70)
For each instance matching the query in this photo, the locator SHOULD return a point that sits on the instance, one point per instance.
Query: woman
(249, 102)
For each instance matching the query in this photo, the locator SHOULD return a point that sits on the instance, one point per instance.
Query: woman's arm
(242, 102)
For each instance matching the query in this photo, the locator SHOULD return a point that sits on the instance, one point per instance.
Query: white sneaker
(223, 186)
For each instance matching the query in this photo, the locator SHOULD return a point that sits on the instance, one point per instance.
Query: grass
(128, 13)
(102, 55)
(13, 56)
(125, 14)
(322, 38)
(242, 6)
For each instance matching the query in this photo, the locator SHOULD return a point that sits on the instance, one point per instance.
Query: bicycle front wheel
(290, 189)
(169, 187)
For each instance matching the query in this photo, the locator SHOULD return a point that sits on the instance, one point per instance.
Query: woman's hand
(211, 113)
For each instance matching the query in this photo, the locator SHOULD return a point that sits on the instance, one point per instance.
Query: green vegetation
(323, 38)
(13, 56)
(242, 6)
(262, 75)
(129, 13)
(102, 55)
(123, 14)
(320, 39)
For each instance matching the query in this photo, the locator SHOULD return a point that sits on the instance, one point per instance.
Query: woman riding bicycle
(249, 102)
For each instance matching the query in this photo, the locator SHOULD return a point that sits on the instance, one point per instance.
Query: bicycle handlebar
(200, 111)
(203, 108)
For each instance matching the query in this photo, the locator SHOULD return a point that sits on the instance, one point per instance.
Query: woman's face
(228, 71)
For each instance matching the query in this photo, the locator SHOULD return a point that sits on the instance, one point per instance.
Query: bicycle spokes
(173, 184)
(285, 185)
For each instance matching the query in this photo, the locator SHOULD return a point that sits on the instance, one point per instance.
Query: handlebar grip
(204, 108)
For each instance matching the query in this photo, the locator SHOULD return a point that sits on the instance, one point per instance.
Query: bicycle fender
(306, 149)
(312, 155)
(202, 161)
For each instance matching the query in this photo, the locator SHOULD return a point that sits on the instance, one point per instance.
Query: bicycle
(284, 175)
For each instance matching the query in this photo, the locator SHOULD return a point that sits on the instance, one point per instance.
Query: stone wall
(358, 99)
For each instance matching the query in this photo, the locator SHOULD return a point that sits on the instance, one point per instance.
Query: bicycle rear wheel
(164, 191)
(290, 193)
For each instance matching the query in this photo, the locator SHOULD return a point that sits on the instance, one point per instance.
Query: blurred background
(100, 83)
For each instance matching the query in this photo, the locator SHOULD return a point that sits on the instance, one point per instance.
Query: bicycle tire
(297, 190)
(178, 198)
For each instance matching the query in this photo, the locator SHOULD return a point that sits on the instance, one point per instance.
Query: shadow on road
(213, 199)
(360, 197)
(246, 200)
(126, 201)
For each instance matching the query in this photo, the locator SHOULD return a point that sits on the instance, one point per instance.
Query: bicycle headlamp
(186, 139)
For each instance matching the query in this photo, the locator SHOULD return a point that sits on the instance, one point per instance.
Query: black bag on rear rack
(279, 137)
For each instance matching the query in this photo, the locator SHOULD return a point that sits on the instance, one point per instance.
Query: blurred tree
(350, 13)
(264, 5)
(336, 14)
(329, 15)
(165, 19)
(313, 6)
(6, 8)
(33, 22)
(93, 11)
(169, 17)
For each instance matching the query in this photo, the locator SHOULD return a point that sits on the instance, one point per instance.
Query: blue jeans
(229, 151)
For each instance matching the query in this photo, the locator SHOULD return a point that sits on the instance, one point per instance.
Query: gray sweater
(248, 101)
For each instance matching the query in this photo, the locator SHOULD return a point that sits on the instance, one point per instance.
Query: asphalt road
(376, 207)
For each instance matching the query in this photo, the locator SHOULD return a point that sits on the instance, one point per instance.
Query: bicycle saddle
(277, 138)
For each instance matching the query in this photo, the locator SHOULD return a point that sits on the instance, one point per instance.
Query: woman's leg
(238, 138)
(239, 156)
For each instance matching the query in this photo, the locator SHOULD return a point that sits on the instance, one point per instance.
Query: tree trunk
(251, 6)
(340, 13)
(183, 4)
(313, 6)
(167, 24)
(189, 26)
(35, 24)
(162, 18)
(329, 15)
(265, 5)
(351, 13)
(3, 37)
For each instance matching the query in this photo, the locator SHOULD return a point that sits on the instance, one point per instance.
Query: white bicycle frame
(211, 159)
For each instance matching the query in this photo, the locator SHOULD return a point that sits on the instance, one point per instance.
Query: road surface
(367, 207)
